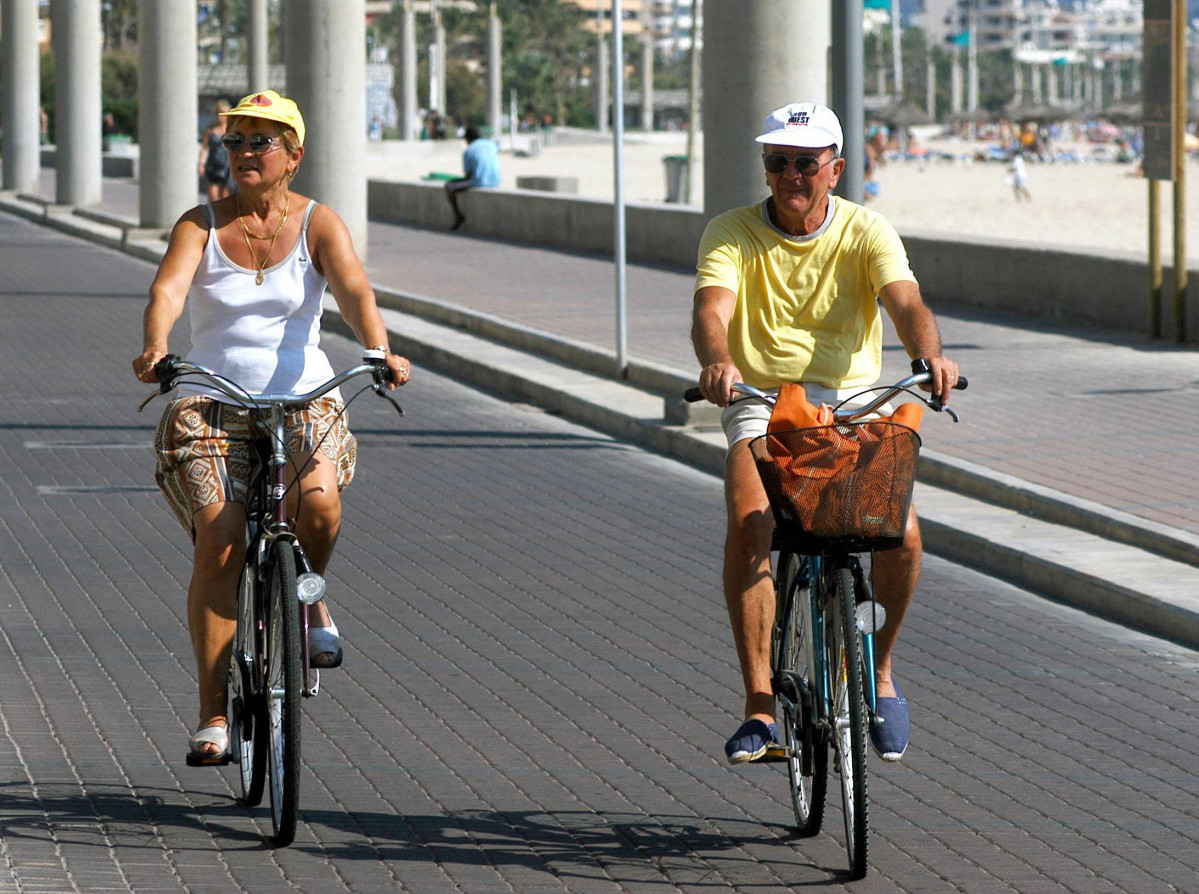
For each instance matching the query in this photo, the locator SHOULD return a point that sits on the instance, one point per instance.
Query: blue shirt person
(481, 165)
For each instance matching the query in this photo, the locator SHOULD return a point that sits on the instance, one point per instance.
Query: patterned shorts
(204, 453)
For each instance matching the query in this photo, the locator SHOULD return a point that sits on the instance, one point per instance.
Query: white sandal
(324, 641)
(209, 735)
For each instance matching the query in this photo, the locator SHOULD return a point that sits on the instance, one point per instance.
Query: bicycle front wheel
(247, 732)
(795, 676)
(284, 679)
(849, 717)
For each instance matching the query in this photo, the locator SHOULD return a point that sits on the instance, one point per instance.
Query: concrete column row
(326, 56)
(758, 57)
(20, 107)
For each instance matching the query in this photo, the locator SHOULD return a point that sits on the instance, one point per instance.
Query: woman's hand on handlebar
(400, 369)
(716, 382)
(143, 364)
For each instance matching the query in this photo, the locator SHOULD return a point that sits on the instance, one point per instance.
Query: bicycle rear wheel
(849, 717)
(794, 661)
(284, 679)
(247, 735)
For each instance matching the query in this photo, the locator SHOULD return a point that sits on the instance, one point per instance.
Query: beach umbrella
(1124, 113)
(978, 116)
(906, 114)
(1037, 112)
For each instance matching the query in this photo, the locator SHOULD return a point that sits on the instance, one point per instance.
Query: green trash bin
(676, 174)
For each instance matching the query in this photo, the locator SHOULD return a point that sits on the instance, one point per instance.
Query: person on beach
(481, 164)
(252, 268)
(788, 290)
(1019, 177)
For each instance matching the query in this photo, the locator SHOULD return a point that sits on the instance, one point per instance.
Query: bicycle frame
(813, 568)
(274, 523)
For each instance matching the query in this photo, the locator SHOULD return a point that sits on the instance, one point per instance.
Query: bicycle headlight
(871, 616)
(310, 587)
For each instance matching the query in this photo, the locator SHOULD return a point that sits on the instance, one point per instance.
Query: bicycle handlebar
(171, 368)
(921, 374)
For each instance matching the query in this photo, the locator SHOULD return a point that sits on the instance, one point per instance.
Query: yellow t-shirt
(807, 307)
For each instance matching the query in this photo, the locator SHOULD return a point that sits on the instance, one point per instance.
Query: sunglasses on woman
(807, 165)
(258, 143)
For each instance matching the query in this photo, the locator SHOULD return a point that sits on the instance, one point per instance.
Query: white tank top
(264, 337)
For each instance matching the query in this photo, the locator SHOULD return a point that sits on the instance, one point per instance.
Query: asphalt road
(538, 675)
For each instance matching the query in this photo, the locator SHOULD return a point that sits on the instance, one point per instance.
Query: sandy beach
(1099, 206)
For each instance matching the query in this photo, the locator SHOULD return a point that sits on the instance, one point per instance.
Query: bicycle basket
(846, 485)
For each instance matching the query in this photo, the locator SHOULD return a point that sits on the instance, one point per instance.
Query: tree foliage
(995, 70)
(547, 54)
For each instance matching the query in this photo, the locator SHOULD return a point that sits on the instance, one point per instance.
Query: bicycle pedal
(774, 754)
(209, 760)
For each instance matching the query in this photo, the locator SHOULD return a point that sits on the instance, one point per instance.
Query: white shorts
(748, 418)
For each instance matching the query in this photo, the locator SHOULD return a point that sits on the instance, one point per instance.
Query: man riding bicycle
(788, 291)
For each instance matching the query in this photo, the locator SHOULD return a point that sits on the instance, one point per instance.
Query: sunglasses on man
(806, 165)
(258, 143)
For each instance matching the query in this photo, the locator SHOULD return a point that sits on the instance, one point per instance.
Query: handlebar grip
(166, 371)
(693, 395)
(378, 359)
(920, 366)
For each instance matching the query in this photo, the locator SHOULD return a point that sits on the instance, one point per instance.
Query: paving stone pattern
(538, 678)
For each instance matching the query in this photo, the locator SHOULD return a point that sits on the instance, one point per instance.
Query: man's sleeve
(887, 257)
(719, 261)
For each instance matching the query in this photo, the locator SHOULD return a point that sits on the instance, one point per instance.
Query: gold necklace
(246, 232)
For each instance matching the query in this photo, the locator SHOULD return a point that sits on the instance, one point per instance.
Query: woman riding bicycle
(256, 266)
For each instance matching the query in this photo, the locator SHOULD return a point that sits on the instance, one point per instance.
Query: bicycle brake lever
(381, 390)
(935, 404)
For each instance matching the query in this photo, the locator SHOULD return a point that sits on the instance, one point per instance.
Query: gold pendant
(258, 279)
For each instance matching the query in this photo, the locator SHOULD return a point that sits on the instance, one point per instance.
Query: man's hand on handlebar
(716, 382)
(945, 378)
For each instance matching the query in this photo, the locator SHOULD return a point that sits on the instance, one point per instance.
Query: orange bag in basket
(822, 475)
(793, 410)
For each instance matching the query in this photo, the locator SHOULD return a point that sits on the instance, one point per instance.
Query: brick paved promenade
(538, 676)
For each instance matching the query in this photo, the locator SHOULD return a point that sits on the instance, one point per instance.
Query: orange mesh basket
(846, 485)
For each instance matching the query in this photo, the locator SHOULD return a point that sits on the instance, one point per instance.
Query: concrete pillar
(168, 114)
(757, 57)
(20, 108)
(956, 103)
(326, 76)
(603, 71)
(930, 87)
(972, 93)
(77, 111)
(258, 50)
(406, 106)
(495, 102)
(647, 71)
(845, 89)
(437, 86)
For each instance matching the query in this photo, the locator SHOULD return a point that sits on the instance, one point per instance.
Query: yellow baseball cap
(270, 105)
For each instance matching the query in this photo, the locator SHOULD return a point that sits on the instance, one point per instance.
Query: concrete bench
(549, 184)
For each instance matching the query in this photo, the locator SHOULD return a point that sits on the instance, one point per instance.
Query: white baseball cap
(808, 125)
